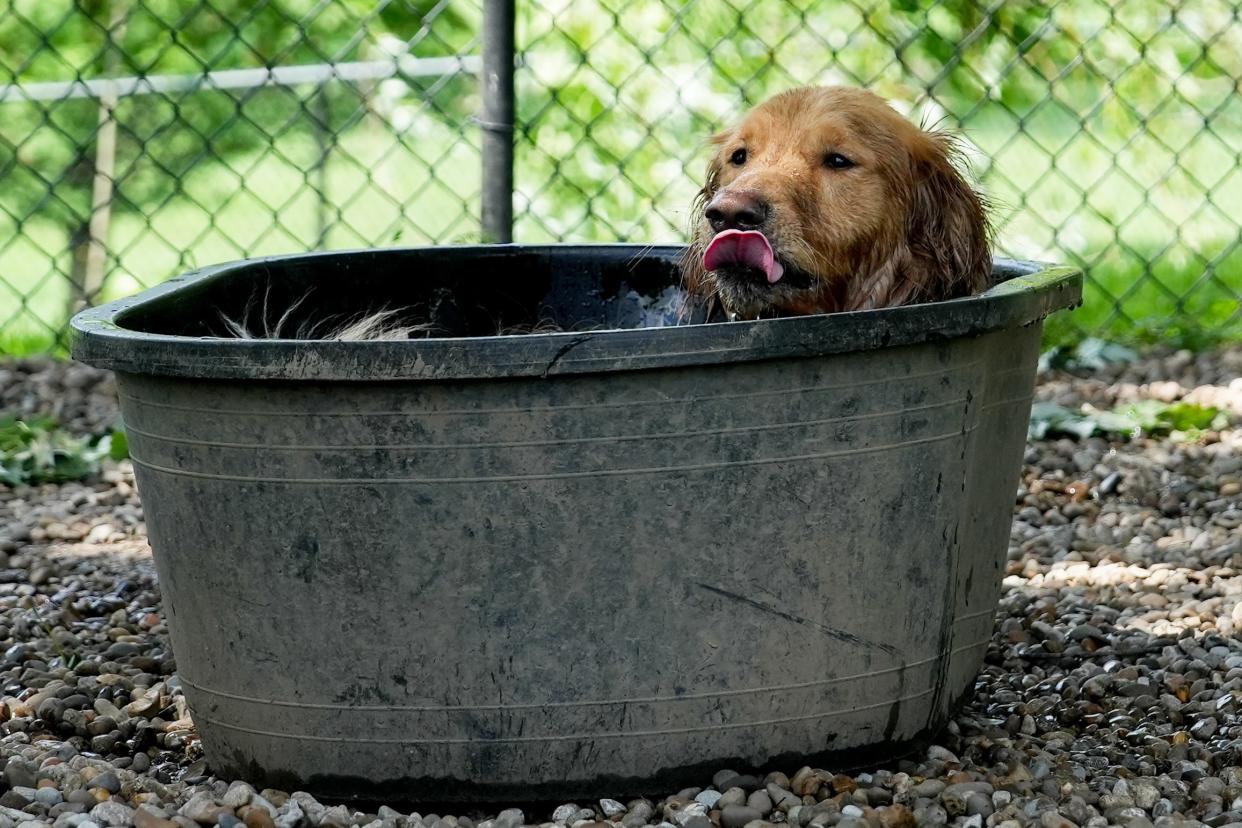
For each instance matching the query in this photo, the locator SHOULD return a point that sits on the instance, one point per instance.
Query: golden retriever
(824, 199)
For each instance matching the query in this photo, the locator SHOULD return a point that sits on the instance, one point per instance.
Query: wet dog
(825, 199)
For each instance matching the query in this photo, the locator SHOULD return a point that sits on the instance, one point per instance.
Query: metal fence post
(497, 120)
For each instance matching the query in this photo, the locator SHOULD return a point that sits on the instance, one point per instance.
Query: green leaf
(1093, 354)
(1115, 422)
(117, 444)
(37, 451)
(1049, 419)
(1185, 416)
(1129, 421)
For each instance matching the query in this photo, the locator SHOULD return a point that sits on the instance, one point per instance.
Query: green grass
(385, 194)
(1154, 225)
(382, 193)
(23, 339)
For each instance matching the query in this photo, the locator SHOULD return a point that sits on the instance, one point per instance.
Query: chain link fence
(143, 138)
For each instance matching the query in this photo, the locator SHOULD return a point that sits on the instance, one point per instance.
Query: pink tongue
(743, 248)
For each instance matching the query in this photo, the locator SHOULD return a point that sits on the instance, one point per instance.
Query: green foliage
(117, 444)
(16, 340)
(1088, 354)
(46, 147)
(38, 451)
(53, 39)
(1142, 418)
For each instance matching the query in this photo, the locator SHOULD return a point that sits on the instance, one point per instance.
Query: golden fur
(898, 225)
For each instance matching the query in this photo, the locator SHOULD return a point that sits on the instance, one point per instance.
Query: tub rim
(100, 339)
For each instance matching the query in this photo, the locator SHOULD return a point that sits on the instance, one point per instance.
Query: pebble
(108, 781)
(738, 816)
(203, 809)
(259, 818)
(760, 801)
(112, 814)
(511, 818)
(708, 799)
(611, 807)
(18, 773)
(290, 815)
(641, 809)
(929, 788)
(896, 816)
(805, 782)
(782, 799)
(146, 819)
(1204, 729)
(979, 804)
(565, 813)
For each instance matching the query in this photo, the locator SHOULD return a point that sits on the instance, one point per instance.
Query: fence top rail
(304, 74)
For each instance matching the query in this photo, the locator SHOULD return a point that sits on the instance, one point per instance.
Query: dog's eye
(837, 161)
(738, 158)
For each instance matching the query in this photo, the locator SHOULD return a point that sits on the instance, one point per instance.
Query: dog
(824, 199)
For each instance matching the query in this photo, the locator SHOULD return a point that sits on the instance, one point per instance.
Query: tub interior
(446, 292)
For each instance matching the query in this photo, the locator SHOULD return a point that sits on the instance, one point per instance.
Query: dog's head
(825, 199)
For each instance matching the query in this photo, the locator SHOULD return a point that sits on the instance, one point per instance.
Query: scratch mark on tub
(250, 602)
(565, 349)
(831, 632)
(894, 713)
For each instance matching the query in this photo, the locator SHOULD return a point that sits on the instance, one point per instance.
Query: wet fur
(256, 322)
(381, 325)
(903, 226)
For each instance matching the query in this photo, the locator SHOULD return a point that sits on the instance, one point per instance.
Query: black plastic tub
(608, 559)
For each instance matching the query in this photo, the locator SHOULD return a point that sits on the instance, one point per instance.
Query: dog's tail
(366, 327)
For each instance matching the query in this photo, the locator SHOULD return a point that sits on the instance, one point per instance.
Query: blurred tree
(73, 161)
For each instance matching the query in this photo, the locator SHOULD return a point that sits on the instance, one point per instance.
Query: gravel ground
(1110, 694)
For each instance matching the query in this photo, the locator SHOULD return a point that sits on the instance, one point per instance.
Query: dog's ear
(711, 181)
(947, 225)
(694, 279)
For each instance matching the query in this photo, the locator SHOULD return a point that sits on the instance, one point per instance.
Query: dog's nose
(736, 211)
